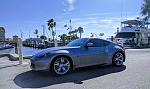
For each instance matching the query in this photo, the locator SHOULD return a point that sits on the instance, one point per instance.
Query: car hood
(53, 49)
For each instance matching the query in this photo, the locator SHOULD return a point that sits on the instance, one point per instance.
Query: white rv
(133, 33)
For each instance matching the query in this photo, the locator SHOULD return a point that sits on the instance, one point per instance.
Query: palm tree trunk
(80, 35)
(53, 37)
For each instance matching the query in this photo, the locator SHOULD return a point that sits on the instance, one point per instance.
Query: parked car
(78, 53)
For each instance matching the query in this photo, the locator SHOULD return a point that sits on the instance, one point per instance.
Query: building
(33, 41)
(15, 38)
(2, 34)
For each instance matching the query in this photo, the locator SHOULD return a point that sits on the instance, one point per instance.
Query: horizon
(101, 16)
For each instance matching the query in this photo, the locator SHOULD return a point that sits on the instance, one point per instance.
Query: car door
(92, 55)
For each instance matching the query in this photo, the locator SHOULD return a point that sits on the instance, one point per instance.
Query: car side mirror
(89, 45)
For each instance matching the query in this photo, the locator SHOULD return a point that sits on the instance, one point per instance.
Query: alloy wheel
(61, 66)
(118, 59)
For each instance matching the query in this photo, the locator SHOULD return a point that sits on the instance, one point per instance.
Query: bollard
(16, 47)
(55, 43)
(20, 50)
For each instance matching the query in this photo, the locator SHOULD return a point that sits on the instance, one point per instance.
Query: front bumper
(40, 65)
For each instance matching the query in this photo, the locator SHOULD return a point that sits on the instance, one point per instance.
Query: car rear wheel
(61, 66)
(118, 59)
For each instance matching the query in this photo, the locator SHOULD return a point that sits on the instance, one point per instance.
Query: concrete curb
(15, 57)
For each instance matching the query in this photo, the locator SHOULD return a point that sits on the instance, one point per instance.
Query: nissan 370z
(78, 53)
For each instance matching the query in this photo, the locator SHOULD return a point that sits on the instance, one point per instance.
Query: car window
(106, 42)
(97, 42)
(77, 42)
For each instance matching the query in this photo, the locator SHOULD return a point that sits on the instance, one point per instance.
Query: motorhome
(133, 33)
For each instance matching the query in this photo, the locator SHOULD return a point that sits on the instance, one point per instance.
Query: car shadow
(31, 79)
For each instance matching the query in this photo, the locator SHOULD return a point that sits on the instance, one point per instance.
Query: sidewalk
(5, 62)
(9, 70)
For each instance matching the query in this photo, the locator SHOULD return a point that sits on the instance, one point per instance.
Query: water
(29, 51)
(6, 51)
(26, 51)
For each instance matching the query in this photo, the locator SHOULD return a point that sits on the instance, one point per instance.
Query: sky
(95, 16)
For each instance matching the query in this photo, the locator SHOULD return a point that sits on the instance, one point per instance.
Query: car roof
(92, 38)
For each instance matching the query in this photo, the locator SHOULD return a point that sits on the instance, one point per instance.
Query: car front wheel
(61, 66)
(118, 59)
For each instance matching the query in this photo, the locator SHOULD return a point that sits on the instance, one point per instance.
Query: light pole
(69, 28)
(43, 26)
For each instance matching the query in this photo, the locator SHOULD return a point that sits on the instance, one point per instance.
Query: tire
(118, 59)
(61, 66)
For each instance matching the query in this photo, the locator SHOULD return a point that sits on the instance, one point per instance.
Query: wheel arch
(62, 55)
(120, 52)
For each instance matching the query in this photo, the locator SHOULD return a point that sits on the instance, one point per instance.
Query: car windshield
(77, 42)
(125, 35)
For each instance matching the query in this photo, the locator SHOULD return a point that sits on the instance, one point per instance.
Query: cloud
(99, 14)
(98, 25)
(70, 5)
(106, 20)
(107, 25)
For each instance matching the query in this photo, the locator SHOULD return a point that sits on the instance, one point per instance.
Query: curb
(14, 57)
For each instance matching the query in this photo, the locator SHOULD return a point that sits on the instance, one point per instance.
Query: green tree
(80, 30)
(63, 38)
(43, 37)
(51, 26)
(36, 33)
(76, 31)
(70, 33)
(145, 10)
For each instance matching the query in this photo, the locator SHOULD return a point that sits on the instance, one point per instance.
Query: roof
(133, 22)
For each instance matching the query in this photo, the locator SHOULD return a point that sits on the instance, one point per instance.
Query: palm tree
(76, 31)
(80, 30)
(36, 33)
(43, 37)
(51, 26)
(145, 10)
(70, 32)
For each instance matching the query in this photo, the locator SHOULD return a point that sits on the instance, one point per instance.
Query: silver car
(78, 53)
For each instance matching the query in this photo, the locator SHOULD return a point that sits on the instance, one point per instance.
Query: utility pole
(29, 33)
(43, 30)
(21, 34)
(70, 28)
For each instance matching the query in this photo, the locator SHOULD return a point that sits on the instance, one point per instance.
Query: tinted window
(125, 35)
(97, 42)
(106, 42)
(77, 42)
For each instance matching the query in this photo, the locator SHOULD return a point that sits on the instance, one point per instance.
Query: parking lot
(135, 74)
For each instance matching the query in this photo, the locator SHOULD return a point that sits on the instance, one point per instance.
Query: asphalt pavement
(134, 74)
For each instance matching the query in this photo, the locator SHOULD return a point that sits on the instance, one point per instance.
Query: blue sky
(95, 16)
